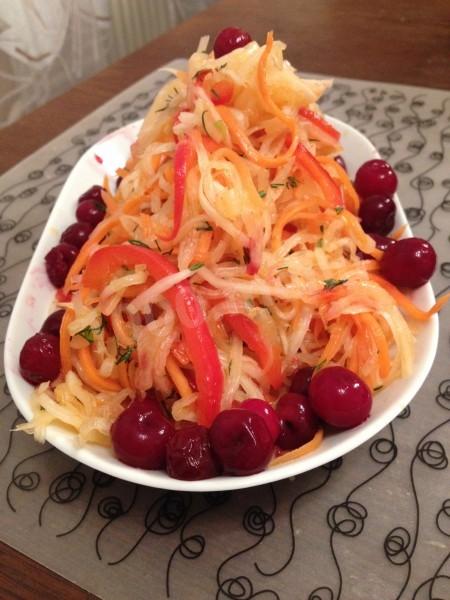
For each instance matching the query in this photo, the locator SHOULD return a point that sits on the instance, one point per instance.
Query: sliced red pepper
(199, 343)
(183, 161)
(268, 356)
(312, 166)
(316, 120)
(222, 92)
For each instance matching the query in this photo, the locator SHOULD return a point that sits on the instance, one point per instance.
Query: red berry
(264, 410)
(39, 358)
(52, 323)
(58, 262)
(77, 234)
(140, 435)
(340, 397)
(300, 381)
(229, 39)
(91, 211)
(189, 455)
(298, 422)
(93, 193)
(375, 177)
(242, 441)
(377, 214)
(409, 263)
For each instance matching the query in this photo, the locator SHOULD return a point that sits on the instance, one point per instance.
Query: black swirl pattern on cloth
(341, 509)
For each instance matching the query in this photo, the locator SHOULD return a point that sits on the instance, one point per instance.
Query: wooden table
(403, 41)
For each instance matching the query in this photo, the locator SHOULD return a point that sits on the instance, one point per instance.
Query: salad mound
(232, 294)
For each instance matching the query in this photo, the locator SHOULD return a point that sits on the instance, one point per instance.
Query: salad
(232, 295)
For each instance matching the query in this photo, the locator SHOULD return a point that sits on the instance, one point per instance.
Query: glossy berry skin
(242, 442)
(377, 214)
(264, 410)
(229, 39)
(375, 177)
(39, 358)
(409, 263)
(52, 323)
(93, 193)
(189, 455)
(381, 242)
(300, 381)
(140, 435)
(77, 234)
(58, 262)
(340, 397)
(91, 211)
(298, 422)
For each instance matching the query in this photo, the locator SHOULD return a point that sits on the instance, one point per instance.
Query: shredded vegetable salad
(230, 256)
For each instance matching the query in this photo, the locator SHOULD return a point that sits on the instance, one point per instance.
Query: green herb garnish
(205, 227)
(329, 284)
(292, 182)
(320, 243)
(196, 266)
(378, 388)
(88, 332)
(125, 356)
(262, 194)
(138, 243)
(203, 122)
(339, 209)
(276, 185)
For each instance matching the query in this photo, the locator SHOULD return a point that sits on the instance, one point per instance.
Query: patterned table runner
(375, 525)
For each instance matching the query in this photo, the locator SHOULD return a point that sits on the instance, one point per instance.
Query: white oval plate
(36, 296)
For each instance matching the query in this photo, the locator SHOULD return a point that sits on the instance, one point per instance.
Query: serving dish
(36, 299)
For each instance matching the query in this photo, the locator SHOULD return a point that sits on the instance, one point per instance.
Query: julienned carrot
(177, 376)
(384, 361)
(120, 329)
(292, 213)
(64, 341)
(90, 375)
(246, 146)
(362, 239)
(352, 199)
(405, 303)
(338, 331)
(122, 372)
(298, 452)
(203, 244)
(397, 234)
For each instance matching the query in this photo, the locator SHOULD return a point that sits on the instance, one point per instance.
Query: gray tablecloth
(373, 526)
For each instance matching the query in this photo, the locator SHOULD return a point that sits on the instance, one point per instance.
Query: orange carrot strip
(335, 342)
(120, 329)
(64, 341)
(363, 241)
(397, 234)
(298, 452)
(178, 377)
(405, 303)
(352, 198)
(290, 214)
(203, 244)
(134, 290)
(90, 374)
(384, 360)
(122, 371)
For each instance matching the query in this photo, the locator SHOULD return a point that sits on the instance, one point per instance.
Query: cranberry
(229, 39)
(93, 193)
(264, 410)
(189, 455)
(140, 435)
(91, 211)
(377, 214)
(381, 242)
(58, 262)
(298, 421)
(301, 380)
(77, 234)
(242, 441)
(375, 177)
(340, 397)
(39, 358)
(409, 263)
(52, 323)
(340, 161)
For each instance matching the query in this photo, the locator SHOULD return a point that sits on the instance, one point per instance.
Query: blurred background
(47, 46)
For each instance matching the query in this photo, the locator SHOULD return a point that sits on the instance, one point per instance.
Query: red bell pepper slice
(199, 343)
(316, 120)
(312, 166)
(183, 161)
(268, 356)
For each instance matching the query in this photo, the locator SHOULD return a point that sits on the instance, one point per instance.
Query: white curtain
(47, 46)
